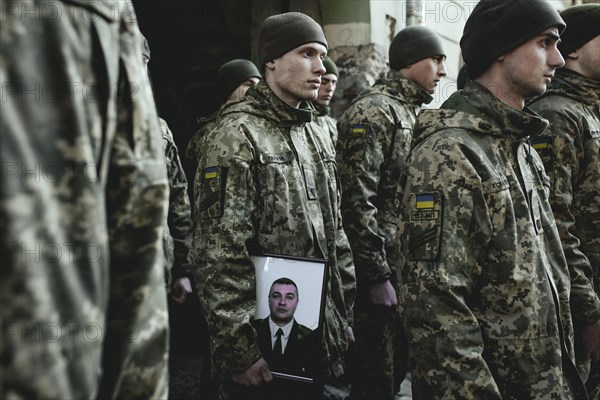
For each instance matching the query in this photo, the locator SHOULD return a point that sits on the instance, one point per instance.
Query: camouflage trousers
(379, 359)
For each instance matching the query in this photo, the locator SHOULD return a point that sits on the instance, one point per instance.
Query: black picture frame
(301, 358)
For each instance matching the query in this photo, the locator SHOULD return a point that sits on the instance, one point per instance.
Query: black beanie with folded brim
(583, 24)
(235, 72)
(281, 33)
(496, 27)
(413, 44)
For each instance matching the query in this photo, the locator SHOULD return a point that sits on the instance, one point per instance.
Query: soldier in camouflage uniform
(177, 234)
(234, 79)
(177, 237)
(326, 90)
(484, 285)
(83, 198)
(375, 136)
(570, 149)
(266, 182)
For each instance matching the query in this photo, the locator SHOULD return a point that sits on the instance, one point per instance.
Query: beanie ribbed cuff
(496, 27)
(281, 33)
(330, 67)
(413, 44)
(235, 72)
(583, 24)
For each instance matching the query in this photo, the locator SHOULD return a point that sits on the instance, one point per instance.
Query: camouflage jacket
(484, 283)
(177, 235)
(326, 122)
(375, 137)
(83, 304)
(570, 149)
(192, 150)
(267, 183)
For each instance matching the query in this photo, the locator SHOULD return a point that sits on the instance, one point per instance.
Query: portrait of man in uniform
(283, 341)
(290, 297)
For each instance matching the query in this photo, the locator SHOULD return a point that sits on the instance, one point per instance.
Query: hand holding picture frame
(290, 293)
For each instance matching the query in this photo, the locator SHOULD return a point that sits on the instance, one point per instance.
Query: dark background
(189, 41)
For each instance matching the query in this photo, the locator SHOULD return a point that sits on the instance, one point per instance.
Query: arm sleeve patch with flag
(425, 227)
(212, 191)
(356, 142)
(543, 146)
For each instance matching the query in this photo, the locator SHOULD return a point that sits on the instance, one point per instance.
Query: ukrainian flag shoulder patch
(424, 201)
(541, 142)
(359, 129)
(211, 172)
(424, 228)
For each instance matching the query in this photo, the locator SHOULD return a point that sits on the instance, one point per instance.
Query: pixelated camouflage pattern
(177, 235)
(571, 157)
(370, 162)
(369, 166)
(327, 123)
(89, 319)
(266, 182)
(192, 150)
(484, 282)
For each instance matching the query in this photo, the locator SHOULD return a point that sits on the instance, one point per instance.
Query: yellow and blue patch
(424, 201)
(359, 129)
(212, 192)
(211, 172)
(424, 230)
(541, 143)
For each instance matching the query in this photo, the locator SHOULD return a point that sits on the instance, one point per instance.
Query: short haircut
(284, 281)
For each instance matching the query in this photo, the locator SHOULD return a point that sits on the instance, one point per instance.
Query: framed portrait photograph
(290, 302)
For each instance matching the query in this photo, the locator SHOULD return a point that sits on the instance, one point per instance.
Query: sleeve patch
(356, 142)
(425, 227)
(212, 192)
(359, 129)
(541, 142)
(543, 146)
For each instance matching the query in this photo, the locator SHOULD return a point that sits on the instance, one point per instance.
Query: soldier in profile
(485, 289)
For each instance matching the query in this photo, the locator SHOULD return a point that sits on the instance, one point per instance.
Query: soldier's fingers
(266, 375)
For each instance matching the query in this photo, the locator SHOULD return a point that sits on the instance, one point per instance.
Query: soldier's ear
(574, 55)
(270, 65)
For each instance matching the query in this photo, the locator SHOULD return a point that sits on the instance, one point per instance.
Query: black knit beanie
(583, 24)
(413, 44)
(281, 33)
(235, 72)
(496, 27)
(330, 67)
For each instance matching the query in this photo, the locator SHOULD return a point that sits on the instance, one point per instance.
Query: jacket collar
(576, 86)
(474, 108)
(262, 97)
(400, 88)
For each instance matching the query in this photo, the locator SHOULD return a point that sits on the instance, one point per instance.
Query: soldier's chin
(282, 319)
(312, 95)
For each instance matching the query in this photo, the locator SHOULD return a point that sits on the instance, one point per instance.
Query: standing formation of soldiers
(462, 244)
